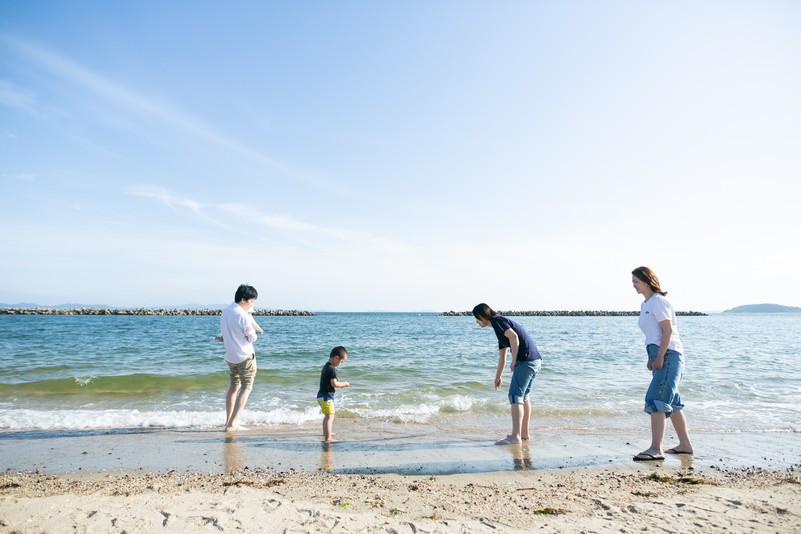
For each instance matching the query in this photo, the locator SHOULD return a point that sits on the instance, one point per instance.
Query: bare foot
(234, 428)
(508, 441)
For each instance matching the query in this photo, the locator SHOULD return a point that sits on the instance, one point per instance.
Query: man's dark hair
(245, 292)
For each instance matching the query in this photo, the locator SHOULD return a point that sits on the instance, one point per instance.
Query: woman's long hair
(483, 312)
(649, 277)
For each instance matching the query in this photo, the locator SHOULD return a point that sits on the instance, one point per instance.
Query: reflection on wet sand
(521, 455)
(327, 457)
(232, 455)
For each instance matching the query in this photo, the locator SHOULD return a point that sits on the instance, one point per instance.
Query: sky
(400, 156)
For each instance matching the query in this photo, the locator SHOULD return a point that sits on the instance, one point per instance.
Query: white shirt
(652, 312)
(238, 333)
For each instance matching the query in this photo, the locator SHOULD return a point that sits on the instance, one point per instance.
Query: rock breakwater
(142, 311)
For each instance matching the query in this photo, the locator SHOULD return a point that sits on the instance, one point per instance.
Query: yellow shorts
(326, 405)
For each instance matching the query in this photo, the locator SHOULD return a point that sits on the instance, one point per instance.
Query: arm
(256, 326)
(514, 344)
(501, 365)
(248, 329)
(337, 384)
(667, 331)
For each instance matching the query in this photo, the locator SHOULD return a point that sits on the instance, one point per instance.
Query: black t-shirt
(329, 372)
(527, 350)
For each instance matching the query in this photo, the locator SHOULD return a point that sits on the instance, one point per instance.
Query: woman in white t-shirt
(666, 363)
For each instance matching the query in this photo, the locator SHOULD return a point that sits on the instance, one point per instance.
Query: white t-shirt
(653, 311)
(238, 333)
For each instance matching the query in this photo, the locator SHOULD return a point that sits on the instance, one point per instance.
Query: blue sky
(401, 156)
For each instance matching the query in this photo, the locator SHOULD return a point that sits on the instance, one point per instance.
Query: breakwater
(142, 311)
(569, 313)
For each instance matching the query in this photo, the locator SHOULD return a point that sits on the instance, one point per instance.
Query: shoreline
(400, 449)
(380, 480)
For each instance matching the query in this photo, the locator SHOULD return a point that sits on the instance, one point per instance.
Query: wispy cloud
(14, 97)
(282, 222)
(118, 94)
(257, 217)
(168, 199)
(131, 100)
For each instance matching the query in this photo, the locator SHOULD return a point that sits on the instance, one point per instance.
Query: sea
(424, 370)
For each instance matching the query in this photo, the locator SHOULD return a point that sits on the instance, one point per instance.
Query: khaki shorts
(243, 373)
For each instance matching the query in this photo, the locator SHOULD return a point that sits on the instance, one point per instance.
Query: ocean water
(423, 370)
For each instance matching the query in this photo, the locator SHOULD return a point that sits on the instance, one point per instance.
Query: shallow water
(69, 372)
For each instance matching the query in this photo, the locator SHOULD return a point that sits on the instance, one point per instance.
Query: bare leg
(524, 430)
(328, 425)
(680, 425)
(239, 405)
(230, 396)
(517, 422)
(657, 434)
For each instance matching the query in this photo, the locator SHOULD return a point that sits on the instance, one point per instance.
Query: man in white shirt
(238, 332)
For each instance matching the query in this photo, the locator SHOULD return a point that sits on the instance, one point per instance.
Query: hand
(648, 364)
(659, 362)
(512, 366)
(345, 384)
(498, 382)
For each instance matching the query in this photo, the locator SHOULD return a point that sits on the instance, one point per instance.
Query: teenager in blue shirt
(525, 364)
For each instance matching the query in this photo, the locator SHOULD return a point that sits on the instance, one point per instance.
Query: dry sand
(586, 500)
(384, 481)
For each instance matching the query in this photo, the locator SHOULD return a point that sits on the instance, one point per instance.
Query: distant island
(764, 308)
(569, 313)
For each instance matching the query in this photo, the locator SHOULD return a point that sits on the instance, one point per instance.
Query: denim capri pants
(522, 380)
(663, 393)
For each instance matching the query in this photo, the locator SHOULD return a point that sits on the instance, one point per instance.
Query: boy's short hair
(245, 292)
(339, 352)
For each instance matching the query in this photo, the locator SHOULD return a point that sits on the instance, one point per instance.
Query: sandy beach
(598, 500)
(391, 480)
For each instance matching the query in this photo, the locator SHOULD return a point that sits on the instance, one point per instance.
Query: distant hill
(764, 308)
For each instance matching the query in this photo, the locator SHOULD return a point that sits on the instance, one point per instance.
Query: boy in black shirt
(328, 384)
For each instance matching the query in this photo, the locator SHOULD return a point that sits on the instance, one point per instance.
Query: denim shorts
(522, 380)
(243, 373)
(663, 393)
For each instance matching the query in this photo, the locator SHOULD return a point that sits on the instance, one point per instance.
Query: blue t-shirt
(527, 350)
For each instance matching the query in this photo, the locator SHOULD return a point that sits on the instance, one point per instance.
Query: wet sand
(398, 479)
(405, 449)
